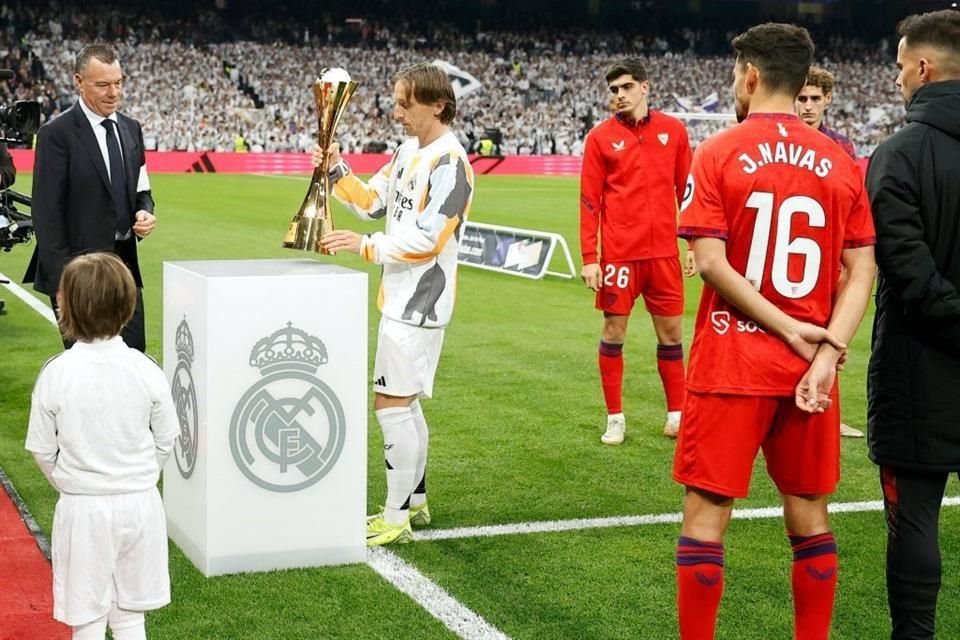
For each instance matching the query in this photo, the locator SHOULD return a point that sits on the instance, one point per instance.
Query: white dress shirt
(100, 133)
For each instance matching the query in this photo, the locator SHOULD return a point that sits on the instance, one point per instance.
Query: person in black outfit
(8, 172)
(913, 413)
(91, 191)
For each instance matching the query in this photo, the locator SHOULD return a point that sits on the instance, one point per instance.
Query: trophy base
(304, 234)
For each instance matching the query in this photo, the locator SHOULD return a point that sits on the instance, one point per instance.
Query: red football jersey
(631, 182)
(787, 200)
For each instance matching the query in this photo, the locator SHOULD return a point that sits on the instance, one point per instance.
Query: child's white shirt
(106, 413)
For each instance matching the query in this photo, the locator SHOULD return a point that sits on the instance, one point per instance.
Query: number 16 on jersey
(764, 203)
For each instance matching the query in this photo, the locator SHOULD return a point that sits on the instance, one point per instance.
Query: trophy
(331, 91)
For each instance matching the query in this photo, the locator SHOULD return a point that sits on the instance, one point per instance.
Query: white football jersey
(425, 195)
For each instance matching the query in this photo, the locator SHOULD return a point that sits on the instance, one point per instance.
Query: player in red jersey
(775, 210)
(635, 166)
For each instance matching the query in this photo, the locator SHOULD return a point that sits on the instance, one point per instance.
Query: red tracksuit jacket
(633, 176)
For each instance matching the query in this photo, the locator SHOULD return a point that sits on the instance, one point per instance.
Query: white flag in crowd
(463, 82)
(683, 104)
(711, 102)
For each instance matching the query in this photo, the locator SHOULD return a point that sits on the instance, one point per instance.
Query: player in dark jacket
(914, 375)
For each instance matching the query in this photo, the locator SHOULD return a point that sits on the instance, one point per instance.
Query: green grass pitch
(515, 426)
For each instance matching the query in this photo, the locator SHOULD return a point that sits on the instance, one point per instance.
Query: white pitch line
(31, 300)
(552, 526)
(429, 595)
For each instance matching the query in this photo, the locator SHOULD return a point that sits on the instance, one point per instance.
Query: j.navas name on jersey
(785, 153)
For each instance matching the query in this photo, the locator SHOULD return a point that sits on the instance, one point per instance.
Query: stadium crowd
(198, 85)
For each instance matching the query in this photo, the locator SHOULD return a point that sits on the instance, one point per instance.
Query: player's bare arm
(853, 296)
(860, 266)
(804, 338)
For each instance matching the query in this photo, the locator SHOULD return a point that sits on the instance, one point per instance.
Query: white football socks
(125, 625)
(96, 630)
(400, 446)
(417, 498)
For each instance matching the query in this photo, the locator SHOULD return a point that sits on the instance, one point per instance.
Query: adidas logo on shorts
(380, 382)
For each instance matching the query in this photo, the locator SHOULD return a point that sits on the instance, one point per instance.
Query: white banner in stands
(521, 252)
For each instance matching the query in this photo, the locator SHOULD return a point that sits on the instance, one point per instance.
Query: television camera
(18, 123)
(15, 227)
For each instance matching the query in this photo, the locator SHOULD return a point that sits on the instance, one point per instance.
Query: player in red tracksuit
(635, 167)
(775, 210)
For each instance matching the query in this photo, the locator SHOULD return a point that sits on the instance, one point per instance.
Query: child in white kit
(102, 424)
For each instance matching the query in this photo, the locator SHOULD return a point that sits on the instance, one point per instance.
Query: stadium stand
(204, 84)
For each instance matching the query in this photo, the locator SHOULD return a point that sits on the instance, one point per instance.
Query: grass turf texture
(515, 427)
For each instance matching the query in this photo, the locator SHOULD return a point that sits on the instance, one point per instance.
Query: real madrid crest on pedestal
(185, 400)
(288, 429)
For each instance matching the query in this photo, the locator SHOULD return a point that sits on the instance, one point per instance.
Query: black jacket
(913, 385)
(8, 172)
(73, 210)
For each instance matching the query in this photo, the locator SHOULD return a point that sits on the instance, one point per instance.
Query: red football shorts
(721, 434)
(658, 280)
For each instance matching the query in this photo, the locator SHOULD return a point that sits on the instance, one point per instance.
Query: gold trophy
(332, 91)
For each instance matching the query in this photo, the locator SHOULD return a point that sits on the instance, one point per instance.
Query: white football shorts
(107, 549)
(406, 360)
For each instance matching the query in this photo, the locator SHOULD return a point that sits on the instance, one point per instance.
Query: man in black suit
(90, 190)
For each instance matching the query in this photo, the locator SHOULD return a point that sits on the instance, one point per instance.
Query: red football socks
(814, 585)
(611, 375)
(699, 587)
(670, 367)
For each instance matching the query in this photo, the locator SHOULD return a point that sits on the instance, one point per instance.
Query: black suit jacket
(73, 210)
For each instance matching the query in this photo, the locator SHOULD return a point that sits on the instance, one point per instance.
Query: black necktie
(118, 180)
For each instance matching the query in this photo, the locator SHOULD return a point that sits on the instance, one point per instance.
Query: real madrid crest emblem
(288, 429)
(185, 400)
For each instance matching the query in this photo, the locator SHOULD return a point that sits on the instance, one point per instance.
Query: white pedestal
(268, 365)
